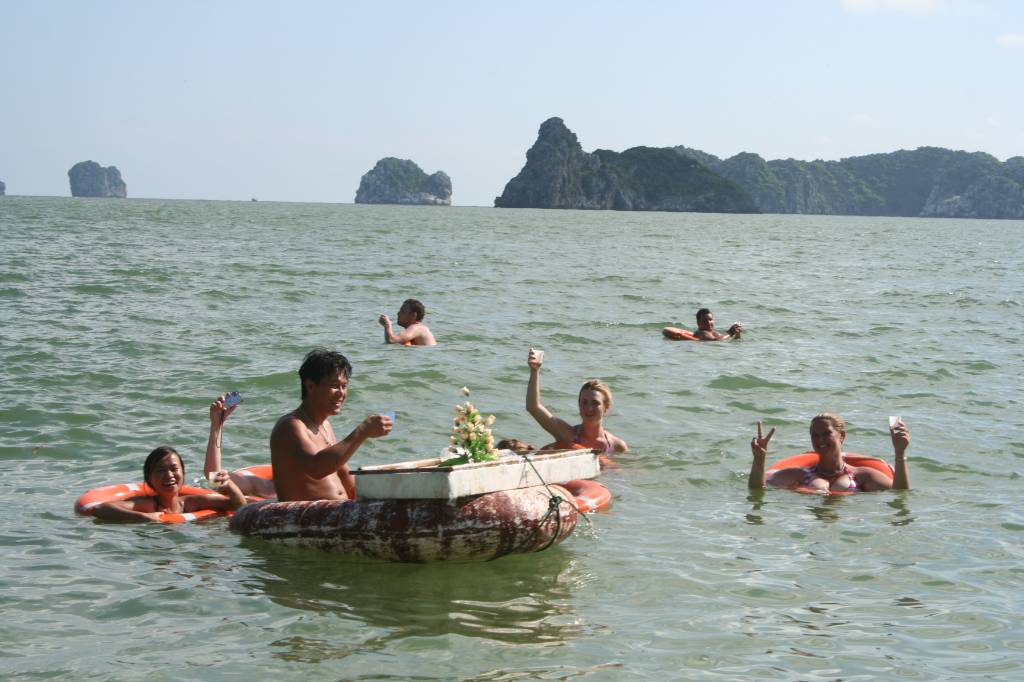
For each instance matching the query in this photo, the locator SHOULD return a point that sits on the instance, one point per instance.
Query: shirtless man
(410, 316)
(309, 462)
(706, 328)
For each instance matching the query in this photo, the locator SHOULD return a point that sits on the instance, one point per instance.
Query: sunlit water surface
(121, 320)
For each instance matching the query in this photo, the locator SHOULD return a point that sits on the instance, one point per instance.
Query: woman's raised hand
(218, 413)
(535, 359)
(759, 443)
(900, 438)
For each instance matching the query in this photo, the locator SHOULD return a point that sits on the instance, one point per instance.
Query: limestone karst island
(89, 179)
(400, 181)
(925, 182)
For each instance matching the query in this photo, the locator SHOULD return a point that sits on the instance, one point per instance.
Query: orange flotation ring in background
(677, 334)
(590, 496)
(809, 459)
(121, 491)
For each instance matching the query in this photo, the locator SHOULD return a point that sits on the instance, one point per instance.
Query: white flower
(465, 391)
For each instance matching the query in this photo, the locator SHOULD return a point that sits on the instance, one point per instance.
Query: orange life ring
(677, 334)
(808, 459)
(606, 461)
(121, 491)
(590, 496)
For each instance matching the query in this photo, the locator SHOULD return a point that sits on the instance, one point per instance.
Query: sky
(226, 99)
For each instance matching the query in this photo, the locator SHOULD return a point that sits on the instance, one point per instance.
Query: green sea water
(121, 320)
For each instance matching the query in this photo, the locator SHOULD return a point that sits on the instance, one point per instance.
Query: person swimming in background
(831, 473)
(595, 401)
(249, 485)
(706, 328)
(410, 317)
(164, 472)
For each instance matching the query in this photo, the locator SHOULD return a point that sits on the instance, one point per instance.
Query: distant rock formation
(559, 174)
(400, 181)
(925, 182)
(89, 179)
(3, 188)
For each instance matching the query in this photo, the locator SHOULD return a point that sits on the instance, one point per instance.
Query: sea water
(120, 321)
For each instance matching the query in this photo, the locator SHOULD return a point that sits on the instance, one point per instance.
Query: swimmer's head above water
(320, 363)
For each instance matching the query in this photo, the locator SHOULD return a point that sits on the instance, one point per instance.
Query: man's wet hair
(320, 363)
(703, 312)
(416, 307)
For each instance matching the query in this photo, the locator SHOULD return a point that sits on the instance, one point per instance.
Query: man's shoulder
(286, 424)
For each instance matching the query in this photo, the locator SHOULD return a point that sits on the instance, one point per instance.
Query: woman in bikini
(164, 473)
(595, 400)
(831, 473)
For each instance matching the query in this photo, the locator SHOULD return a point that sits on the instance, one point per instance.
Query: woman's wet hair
(155, 457)
(320, 363)
(837, 422)
(515, 445)
(600, 387)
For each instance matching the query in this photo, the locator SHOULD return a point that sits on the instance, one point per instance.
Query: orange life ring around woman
(121, 491)
(589, 495)
(809, 459)
(677, 334)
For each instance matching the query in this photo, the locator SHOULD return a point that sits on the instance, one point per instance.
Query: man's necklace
(316, 428)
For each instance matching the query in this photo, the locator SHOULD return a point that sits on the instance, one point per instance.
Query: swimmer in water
(164, 473)
(595, 401)
(410, 317)
(706, 328)
(831, 473)
(249, 485)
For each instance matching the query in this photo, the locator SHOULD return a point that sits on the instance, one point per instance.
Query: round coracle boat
(476, 528)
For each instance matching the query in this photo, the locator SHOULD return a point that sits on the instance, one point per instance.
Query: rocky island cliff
(559, 174)
(89, 179)
(400, 181)
(3, 188)
(925, 182)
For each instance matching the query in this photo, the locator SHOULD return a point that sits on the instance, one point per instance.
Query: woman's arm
(218, 415)
(228, 497)
(900, 441)
(550, 423)
(759, 450)
(124, 510)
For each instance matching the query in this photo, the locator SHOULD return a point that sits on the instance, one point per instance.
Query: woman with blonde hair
(595, 400)
(831, 473)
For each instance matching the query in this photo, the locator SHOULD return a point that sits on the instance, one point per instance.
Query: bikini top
(608, 448)
(813, 473)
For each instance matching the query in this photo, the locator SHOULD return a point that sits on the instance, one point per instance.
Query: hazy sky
(295, 101)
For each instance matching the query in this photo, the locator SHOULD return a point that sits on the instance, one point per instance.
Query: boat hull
(475, 528)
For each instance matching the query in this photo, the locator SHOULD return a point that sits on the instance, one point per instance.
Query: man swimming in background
(309, 462)
(410, 316)
(706, 328)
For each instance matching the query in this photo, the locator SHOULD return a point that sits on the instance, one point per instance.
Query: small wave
(746, 381)
(95, 289)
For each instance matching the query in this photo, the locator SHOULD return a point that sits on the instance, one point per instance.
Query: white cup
(894, 422)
